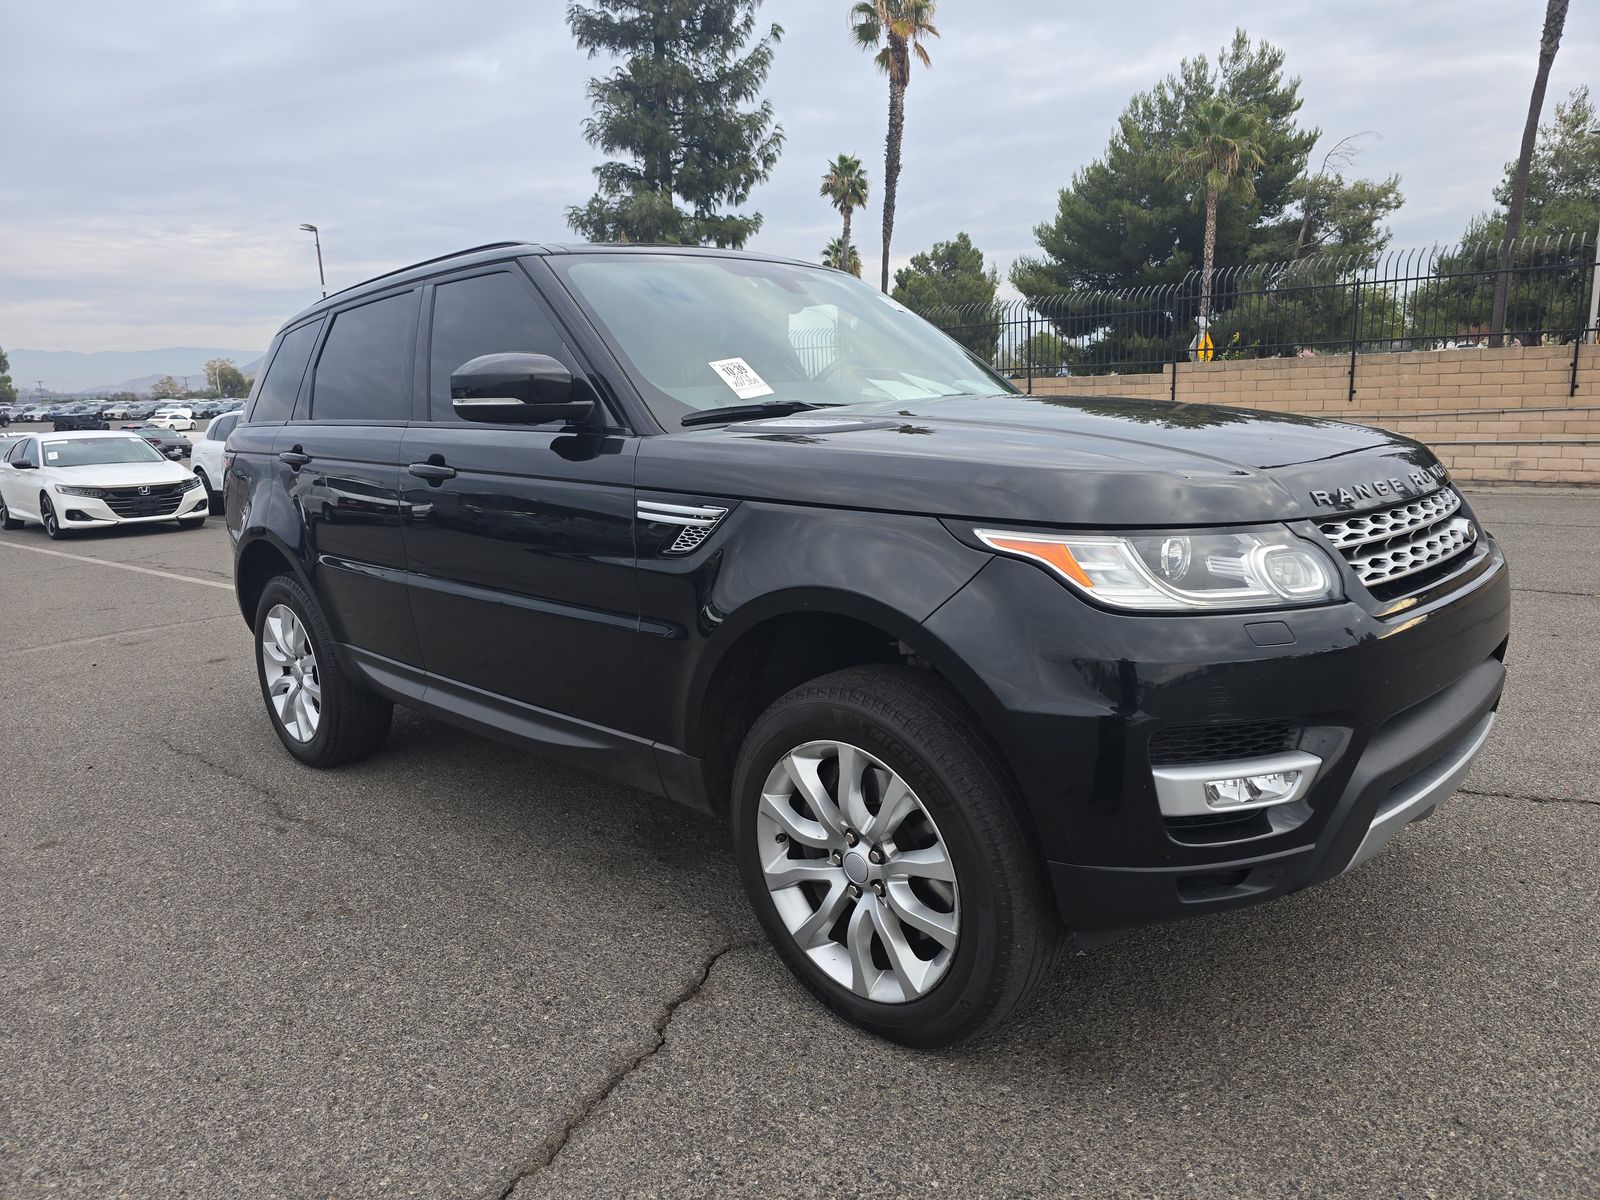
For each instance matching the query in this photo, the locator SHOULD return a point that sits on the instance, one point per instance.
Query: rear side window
(488, 314)
(275, 400)
(362, 373)
(222, 427)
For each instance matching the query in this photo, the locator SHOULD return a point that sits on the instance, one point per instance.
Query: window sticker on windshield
(51, 455)
(741, 377)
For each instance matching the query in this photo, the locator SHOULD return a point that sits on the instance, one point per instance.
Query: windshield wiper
(738, 412)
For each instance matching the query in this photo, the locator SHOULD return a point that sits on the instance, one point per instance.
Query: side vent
(695, 521)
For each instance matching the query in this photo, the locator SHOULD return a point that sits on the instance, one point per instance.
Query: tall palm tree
(835, 255)
(1555, 20)
(895, 29)
(1218, 147)
(846, 185)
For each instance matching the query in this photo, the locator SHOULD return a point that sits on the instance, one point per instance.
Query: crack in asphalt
(1530, 799)
(106, 637)
(558, 1141)
(1554, 592)
(275, 804)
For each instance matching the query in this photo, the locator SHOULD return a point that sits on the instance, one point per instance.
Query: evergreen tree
(683, 111)
(950, 285)
(8, 390)
(1123, 223)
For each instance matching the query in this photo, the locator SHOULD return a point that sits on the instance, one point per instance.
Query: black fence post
(1355, 329)
(1027, 346)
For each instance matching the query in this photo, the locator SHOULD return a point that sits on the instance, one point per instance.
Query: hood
(1050, 460)
(120, 474)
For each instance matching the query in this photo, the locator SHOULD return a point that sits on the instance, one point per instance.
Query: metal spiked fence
(1425, 299)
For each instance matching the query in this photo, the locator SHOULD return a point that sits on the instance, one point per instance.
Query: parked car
(79, 416)
(173, 445)
(206, 459)
(960, 666)
(73, 481)
(115, 410)
(36, 412)
(173, 416)
(141, 410)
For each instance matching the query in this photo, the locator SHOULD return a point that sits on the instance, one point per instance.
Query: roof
(75, 434)
(502, 251)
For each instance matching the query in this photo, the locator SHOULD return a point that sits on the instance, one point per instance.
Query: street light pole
(321, 278)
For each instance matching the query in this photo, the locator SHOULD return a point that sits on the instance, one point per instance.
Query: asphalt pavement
(458, 970)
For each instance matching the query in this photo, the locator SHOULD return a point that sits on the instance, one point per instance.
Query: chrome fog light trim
(1183, 791)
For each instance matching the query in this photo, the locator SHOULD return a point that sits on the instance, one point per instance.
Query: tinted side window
(489, 314)
(275, 400)
(27, 452)
(365, 362)
(222, 427)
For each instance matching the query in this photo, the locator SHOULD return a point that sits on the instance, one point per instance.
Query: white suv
(205, 460)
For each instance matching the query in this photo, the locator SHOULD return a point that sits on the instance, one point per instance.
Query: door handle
(296, 458)
(431, 471)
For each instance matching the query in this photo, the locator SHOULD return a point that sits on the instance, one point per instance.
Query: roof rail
(428, 262)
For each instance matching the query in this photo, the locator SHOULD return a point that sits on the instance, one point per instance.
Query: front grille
(1403, 540)
(1221, 743)
(162, 501)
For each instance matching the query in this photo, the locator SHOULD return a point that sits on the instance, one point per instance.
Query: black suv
(967, 671)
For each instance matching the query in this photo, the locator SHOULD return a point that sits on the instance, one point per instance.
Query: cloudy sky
(159, 157)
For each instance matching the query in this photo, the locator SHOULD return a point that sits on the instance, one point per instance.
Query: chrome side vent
(697, 522)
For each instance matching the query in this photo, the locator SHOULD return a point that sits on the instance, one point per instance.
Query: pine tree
(683, 111)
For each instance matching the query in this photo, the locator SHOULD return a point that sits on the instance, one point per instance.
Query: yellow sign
(1203, 349)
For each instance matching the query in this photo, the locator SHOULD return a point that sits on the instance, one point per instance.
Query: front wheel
(48, 518)
(322, 716)
(879, 841)
(7, 521)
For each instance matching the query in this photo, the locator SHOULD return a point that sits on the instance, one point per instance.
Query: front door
(522, 560)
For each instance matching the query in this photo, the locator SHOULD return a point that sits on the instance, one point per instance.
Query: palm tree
(895, 29)
(846, 185)
(1218, 147)
(1555, 20)
(832, 256)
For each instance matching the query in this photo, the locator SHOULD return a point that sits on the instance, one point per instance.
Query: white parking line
(101, 562)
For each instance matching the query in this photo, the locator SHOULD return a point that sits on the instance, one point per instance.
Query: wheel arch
(258, 560)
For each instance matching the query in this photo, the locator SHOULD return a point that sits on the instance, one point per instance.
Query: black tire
(7, 521)
(1010, 933)
(213, 499)
(192, 523)
(354, 722)
(47, 518)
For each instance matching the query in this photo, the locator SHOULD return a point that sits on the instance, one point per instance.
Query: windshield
(705, 332)
(90, 452)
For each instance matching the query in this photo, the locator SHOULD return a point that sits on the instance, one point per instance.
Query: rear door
(523, 562)
(20, 487)
(339, 455)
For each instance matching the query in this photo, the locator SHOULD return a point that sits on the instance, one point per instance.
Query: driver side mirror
(521, 389)
(23, 464)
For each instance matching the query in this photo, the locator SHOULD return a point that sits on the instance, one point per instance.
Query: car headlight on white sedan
(1181, 571)
(88, 493)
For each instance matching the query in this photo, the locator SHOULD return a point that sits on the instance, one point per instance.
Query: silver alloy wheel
(858, 871)
(289, 665)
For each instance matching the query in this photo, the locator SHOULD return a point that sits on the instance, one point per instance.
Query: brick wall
(1492, 416)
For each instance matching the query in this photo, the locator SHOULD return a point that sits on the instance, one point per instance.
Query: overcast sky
(159, 157)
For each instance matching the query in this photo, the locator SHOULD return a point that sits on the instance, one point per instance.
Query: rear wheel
(213, 498)
(880, 844)
(322, 716)
(47, 517)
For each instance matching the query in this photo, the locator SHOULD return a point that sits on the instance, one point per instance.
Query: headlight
(1173, 572)
(189, 484)
(91, 493)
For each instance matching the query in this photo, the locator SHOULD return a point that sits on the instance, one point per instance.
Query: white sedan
(174, 417)
(94, 480)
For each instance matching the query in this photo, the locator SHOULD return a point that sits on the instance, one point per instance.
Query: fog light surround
(1206, 789)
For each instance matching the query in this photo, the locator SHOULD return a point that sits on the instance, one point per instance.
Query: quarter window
(222, 427)
(361, 375)
(275, 400)
(488, 314)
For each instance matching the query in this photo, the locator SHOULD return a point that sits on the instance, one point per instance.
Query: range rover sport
(971, 674)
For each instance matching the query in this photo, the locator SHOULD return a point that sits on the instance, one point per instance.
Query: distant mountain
(117, 370)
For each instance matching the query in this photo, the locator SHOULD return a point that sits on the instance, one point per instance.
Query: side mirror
(521, 389)
(23, 464)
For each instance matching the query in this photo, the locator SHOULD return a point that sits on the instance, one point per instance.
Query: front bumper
(1394, 703)
(84, 512)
